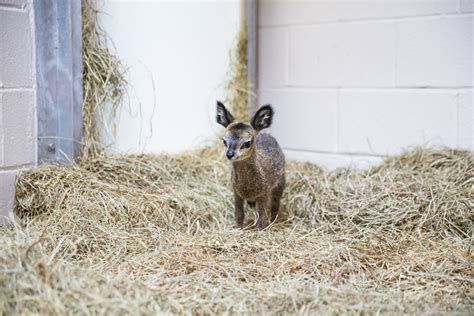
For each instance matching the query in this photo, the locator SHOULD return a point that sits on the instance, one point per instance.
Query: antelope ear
(263, 118)
(223, 116)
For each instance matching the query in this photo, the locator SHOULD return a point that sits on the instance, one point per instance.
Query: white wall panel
(178, 55)
(296, 12)
(353, 54)
(436, 53)
(400, 72)
(384, 122)
(304, 119)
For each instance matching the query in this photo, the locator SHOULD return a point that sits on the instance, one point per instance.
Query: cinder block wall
(352, 81)
(17, 96)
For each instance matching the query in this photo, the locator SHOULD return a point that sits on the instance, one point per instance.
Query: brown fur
(257, 172)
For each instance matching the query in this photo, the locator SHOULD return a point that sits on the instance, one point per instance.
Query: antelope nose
(229, 154)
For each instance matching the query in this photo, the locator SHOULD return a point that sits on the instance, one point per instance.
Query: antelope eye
(247, 144)
(225, 143)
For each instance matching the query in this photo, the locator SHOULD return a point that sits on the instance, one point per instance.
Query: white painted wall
(352, 81)
(178, 54)
(17, 96)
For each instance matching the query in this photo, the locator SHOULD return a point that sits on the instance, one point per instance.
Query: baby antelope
(257, 163)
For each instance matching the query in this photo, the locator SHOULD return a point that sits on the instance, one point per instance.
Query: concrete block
(284, 12)
(386, 122)
(467, 6)
(16, 57)
(354, 55)
(436, 52)
(333, 161)
(304, 119)
(7, 194)
(466, 120)
(18, 122)
(272, 57)
(21, 4)
(1, 133)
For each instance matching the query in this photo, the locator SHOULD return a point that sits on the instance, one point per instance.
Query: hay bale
(149, 234)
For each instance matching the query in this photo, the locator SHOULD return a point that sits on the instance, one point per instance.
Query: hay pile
(148, 234)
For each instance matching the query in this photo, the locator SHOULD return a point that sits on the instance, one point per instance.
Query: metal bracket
(59, 79)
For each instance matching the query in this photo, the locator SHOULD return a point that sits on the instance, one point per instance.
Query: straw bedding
(148, 234)
(154, 234)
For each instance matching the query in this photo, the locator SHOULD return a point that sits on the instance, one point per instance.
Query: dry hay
(104, 82)
(148, 234)
(238, 88)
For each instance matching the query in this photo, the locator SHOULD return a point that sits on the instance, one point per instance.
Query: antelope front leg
(261, 221)
(239, 210)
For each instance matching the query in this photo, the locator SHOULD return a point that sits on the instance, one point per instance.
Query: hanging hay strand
(153, 234)
(104, 83)
(238, 87)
